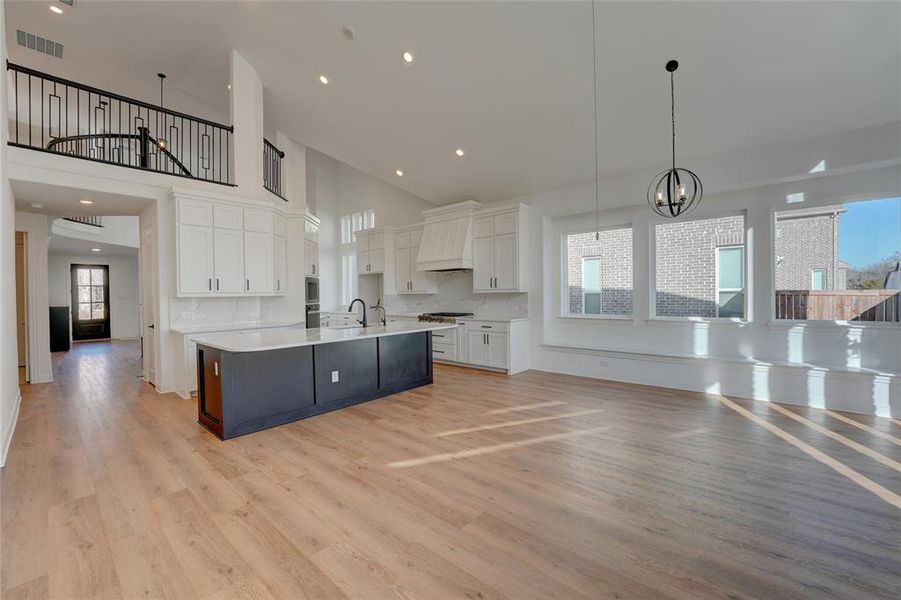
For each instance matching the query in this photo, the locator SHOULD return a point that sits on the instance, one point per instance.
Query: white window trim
(742, 289)
(652, 269)
(563, 280)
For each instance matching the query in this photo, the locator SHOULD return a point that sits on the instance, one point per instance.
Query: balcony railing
(94, 221)
(56, 115)
(882, 306)
(272, 169)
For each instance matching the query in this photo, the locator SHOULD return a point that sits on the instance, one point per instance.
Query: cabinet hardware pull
(216, 369)
(217, 284)
(247, 284)
(210, 283)
(438, 351)
(487, 326)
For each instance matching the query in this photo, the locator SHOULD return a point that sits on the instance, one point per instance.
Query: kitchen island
(255, 380)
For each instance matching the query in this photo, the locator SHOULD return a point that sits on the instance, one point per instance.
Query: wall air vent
(69, 2)
(39, 44)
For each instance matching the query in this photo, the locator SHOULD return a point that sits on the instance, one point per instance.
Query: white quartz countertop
(206, 328)
(277, 339)
(494, 318)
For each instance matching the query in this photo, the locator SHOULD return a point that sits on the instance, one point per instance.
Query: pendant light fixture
(674, 191)
(161, 142)
(594, 80)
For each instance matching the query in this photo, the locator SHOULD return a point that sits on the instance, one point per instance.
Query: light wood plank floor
(479, 486)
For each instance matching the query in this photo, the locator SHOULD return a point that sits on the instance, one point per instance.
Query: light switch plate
(334, 376)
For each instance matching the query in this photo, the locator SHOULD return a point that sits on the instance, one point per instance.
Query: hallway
(481, 485)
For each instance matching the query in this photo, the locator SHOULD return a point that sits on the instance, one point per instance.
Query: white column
(294, 171)
(246, 108)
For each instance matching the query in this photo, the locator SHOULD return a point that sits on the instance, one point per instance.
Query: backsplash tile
(455, 294)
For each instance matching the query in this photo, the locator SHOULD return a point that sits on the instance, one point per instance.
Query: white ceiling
(60, 244)
(508, 81)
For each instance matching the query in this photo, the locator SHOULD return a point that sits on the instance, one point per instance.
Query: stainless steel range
(443, 317)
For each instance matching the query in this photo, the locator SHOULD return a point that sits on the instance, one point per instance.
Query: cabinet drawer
(489, 326)
(444, 351)
(444, 336)
(228, 217)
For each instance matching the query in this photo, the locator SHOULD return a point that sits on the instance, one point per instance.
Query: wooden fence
(840, 305)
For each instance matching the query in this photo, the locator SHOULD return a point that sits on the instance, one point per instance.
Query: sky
(869, 231)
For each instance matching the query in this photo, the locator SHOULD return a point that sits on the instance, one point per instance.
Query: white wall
(123, 289)
(118, 230)
(821, 365)
(9, 376)
(324, 202)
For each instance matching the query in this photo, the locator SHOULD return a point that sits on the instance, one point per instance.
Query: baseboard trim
(11, 428)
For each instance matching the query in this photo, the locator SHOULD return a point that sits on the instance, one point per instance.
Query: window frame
(746, 265)
(563, 280)
(813, 273)
(366, 219)
(600, 290)
(744, 280)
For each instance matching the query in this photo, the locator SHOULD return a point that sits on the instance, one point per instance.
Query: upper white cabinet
(226, 249)
(500, 250)
(371, 252)
(311, 246)
(407, 280)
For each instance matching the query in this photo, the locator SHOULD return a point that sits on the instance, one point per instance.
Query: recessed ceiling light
(86, 201)
(459, 152)
(408, 56)
(229, 86)
(348, 33)
(95, 249)
(56, 9)
(399, 173)
(323, 80)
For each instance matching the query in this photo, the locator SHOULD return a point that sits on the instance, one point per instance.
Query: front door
(90, 302)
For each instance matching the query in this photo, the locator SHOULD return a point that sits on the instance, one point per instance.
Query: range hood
(447, 238)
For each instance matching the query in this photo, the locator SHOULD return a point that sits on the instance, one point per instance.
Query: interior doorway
(22, 305)
(90, 302)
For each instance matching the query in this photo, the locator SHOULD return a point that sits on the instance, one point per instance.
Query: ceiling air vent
(69, 2)
(39, 44)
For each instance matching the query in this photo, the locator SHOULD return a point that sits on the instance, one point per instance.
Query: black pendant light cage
(675, 191)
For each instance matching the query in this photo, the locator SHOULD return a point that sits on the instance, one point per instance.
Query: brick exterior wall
(614, 248)
(804, 244)
(686, 264)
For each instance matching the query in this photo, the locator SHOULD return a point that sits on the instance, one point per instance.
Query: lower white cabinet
(488, 349)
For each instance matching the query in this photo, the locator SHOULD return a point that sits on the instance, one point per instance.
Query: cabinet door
(505, 262)
(195, 212)
(226, 216)
(362, 262)
(195, 259)
(315, 258)
(402, 240)
(258, 268)
(229, 261)
(496, 350)
(280, 262)
(483, 264)
(377, 260)
(483, 227)
(257, 220)
(477, 349)
(402, 271)
(422, 282)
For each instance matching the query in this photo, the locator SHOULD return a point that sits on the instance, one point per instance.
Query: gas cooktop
(444, 317)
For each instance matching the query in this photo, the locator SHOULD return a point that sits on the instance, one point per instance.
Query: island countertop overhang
(258, 341)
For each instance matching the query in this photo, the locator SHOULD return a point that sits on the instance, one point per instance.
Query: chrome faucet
(365, 321)
(378, 306)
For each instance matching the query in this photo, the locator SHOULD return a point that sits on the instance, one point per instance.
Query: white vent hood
(447, 238)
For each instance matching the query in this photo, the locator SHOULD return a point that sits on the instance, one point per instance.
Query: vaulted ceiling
(510, 82)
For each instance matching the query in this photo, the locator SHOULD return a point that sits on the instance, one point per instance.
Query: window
(700, 268)
(818, 280)
(350, 225)
(839, 262)
(598, 273)
(730, 279)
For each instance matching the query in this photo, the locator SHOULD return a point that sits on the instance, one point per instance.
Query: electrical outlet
(334, 376)
(602, 363)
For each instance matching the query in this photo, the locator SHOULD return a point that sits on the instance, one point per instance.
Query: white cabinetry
(370, 252)
(499, 250)
(407, 280)
(311, 246)
(500, 345)
(224, 248)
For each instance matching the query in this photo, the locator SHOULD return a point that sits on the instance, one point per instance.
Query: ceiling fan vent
(39, 44)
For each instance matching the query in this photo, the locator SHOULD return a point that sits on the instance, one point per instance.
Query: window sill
(690, 320)
(832, 325)
(620, 320)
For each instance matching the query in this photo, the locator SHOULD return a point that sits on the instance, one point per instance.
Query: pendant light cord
(594, 79)
(672, 104)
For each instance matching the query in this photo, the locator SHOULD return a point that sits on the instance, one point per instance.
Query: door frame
(73, 299)
(25, 300)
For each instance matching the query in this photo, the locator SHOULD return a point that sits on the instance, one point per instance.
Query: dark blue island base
(243, 392)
